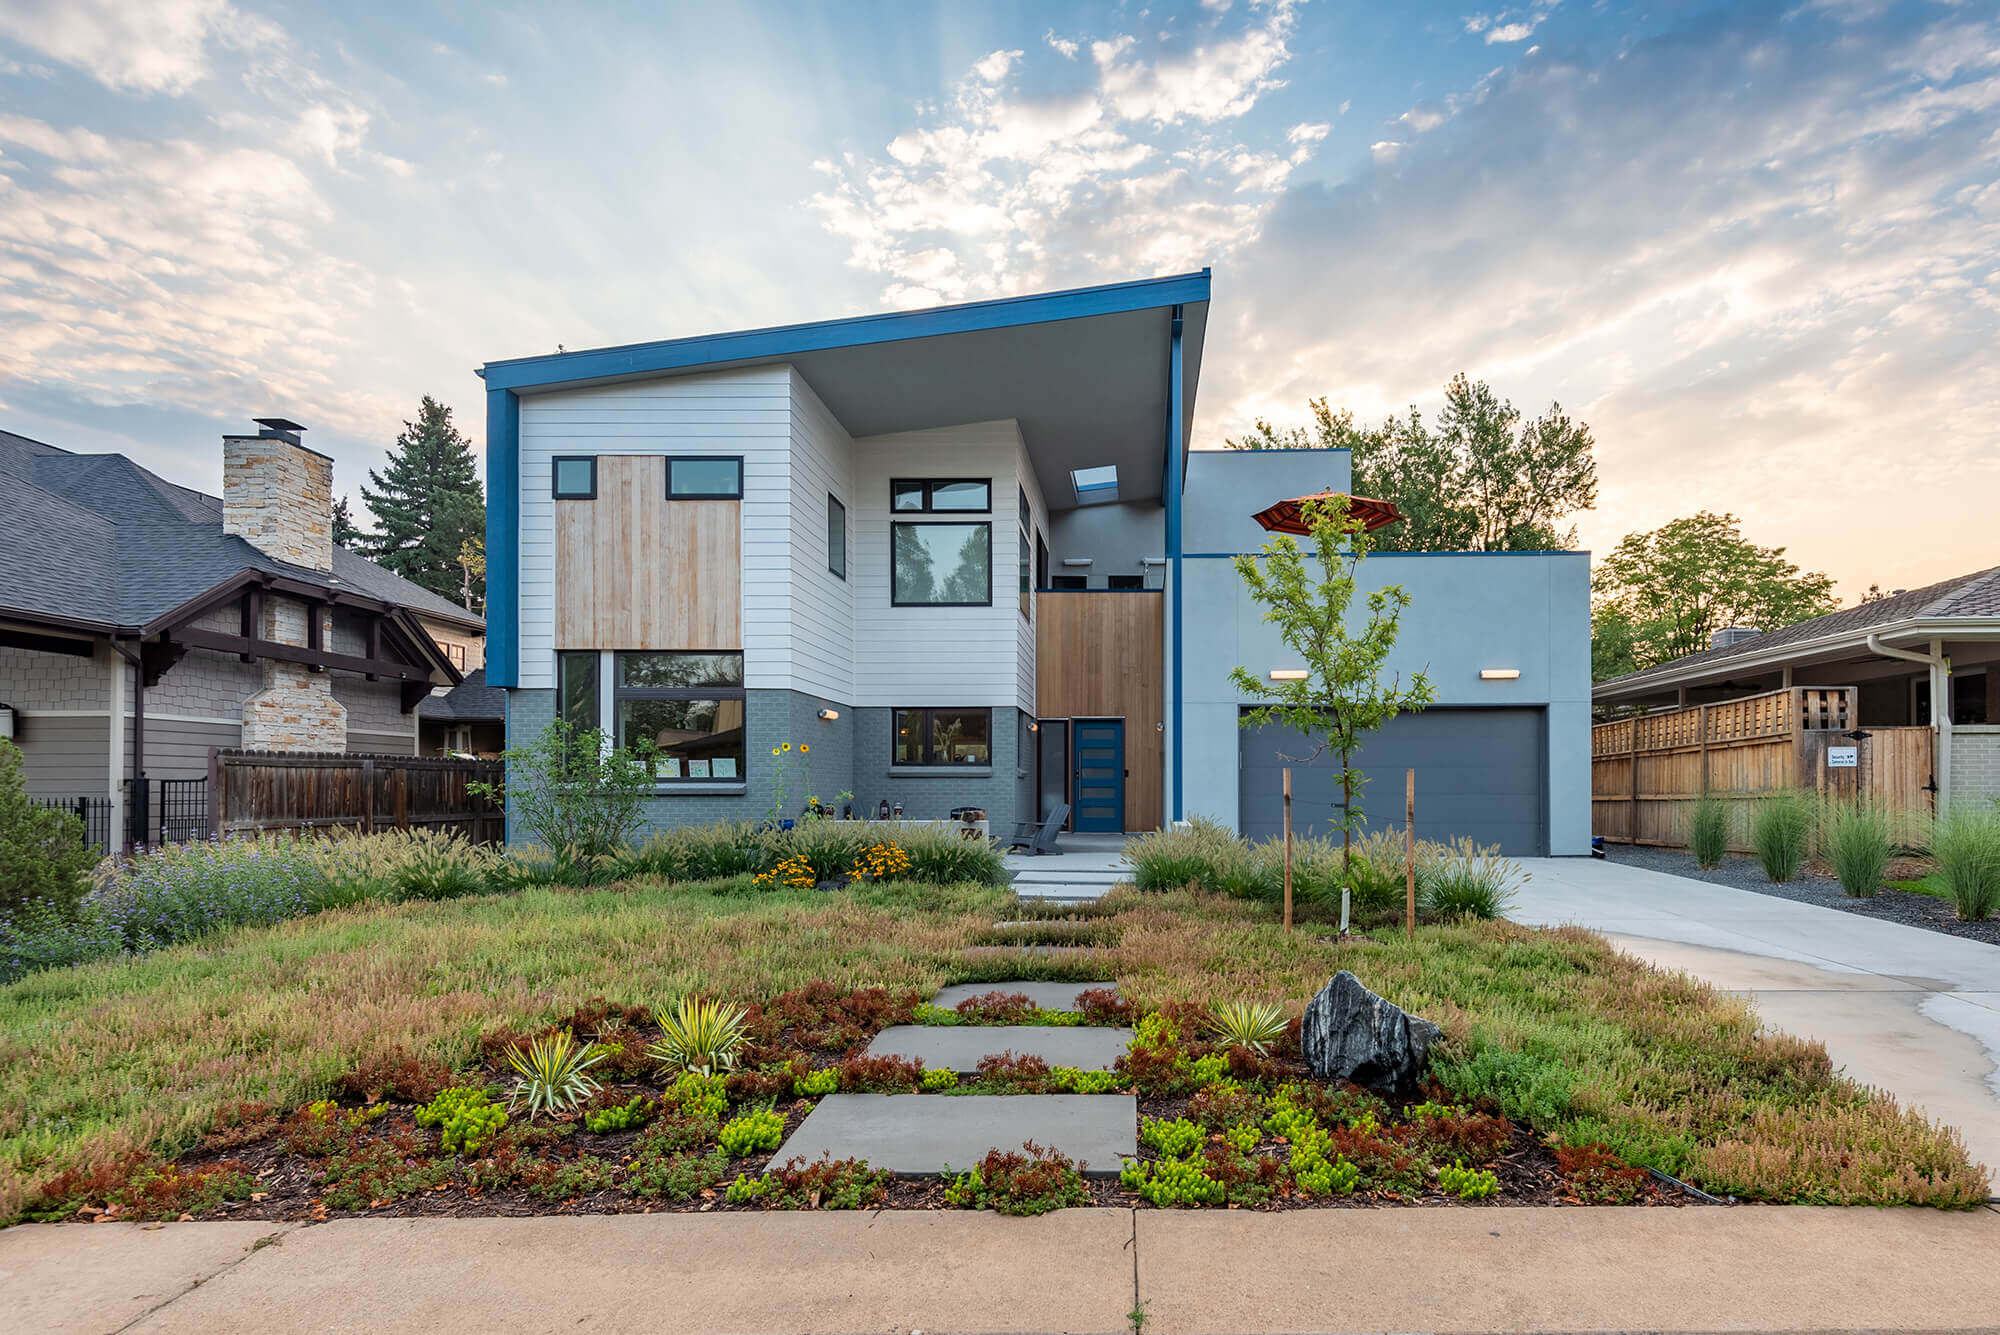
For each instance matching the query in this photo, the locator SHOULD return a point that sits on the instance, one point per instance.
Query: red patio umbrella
(1289, 516)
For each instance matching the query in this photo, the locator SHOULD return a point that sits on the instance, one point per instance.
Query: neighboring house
(1899, 653)
(963, 557)
(198, 622)
(470, 719)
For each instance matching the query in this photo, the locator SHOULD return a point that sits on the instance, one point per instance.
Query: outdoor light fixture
(829, 714)
(1288, 674)
(1034, 726)
(1499, 674)
(1076, 560)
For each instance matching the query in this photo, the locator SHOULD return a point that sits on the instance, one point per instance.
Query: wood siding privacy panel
(1099, 657)
(745, 412)
(638, 571)
(1646, 772)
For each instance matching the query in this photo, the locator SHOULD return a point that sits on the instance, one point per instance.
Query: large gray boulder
(1349, 1033)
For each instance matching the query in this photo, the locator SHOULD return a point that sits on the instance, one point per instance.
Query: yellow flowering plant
(885, 861)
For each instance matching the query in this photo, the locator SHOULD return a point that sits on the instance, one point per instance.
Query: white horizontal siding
(1039, 523)
(822, 612)
(746, 412)
(934, 655)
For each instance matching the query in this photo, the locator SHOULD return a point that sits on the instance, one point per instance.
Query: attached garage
(1481, 773)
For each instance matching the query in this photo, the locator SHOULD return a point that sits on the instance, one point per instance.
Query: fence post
(1288, 848)
(1632, 764)
(401, 790)
(367, 795)
(215, 792)
(1410, 853)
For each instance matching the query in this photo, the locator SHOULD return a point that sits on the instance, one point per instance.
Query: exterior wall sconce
(1288, 674)
(1034, 726)
(829, 714)
(1499, 674)
(1076, 561)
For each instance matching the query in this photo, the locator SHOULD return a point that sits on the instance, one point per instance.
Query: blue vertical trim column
(1175, 463)
(503, 538)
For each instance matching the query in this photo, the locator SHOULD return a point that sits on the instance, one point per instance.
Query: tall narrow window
(836, 537)
(1027, 563)
(576, 690)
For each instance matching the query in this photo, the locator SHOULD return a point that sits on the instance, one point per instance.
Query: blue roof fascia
(565, 368)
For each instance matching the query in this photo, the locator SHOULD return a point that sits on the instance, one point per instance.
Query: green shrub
(747, 1133)
(698, 1095)
(619, 1117)
(1468, 1184)
(1172, 1182)
(935, 1078)
(1175, 1139)
(1070, 1080)
(1781, 830)
(823, 1081)
(1708, 830)
(44, 855)
(1965, 844)
(1856, 837)
(1466, 880)
(466, 1116)
(574, 792)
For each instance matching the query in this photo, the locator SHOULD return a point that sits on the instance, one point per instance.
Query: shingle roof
(1974, 595)
(96, 538)
(471, 701)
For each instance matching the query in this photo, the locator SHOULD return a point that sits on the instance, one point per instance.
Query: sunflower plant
(789, 761)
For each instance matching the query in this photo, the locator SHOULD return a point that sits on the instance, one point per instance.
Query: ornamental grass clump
(1250, 1024)
(700, 1034)
(1174, 859)
(553, 1073)
(1468, 880)
(1965, 845)
(1708, 830)
(1781, 830)
(1856, 837)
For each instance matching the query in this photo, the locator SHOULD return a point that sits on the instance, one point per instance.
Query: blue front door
(1099, 773)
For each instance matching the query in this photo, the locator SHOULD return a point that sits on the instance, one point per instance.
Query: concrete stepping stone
(959, 1048)
(916, 1134)
(1047, 996)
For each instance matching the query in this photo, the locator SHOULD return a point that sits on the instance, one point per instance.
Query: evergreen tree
(427, 503)
(346, 533)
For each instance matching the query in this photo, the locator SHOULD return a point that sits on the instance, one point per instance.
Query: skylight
(1094, 486)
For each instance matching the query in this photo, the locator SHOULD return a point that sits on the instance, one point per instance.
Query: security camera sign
(1843, 757)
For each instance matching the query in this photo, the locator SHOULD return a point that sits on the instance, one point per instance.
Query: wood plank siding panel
(1099, 656)
(635, 570)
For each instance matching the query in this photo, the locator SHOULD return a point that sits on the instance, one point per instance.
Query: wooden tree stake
(1410, 853)
(1288, 848)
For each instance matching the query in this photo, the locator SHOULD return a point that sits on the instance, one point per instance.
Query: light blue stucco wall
(1468, 611)
(1226, 487)
(1116, 538)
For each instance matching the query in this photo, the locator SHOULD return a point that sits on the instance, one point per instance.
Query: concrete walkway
(1467, 1269)
(1088, 866)
(1913, 1012)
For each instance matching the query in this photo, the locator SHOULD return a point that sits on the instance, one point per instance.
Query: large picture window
(690, 707)
(943, 737)
(941, 565)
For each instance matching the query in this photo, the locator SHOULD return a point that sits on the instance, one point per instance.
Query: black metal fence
(168, 811)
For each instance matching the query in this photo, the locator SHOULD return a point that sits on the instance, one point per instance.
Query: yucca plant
(1781, 833)
(1856, 837)
(1249, 1024)
(700, 1035)
(1708, 830)
(553, 1073)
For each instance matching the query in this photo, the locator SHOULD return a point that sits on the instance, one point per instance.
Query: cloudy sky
(1756, 247)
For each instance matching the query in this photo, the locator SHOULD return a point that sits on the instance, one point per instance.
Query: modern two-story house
(965, 557)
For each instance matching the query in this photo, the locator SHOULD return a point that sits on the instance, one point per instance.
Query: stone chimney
(278, 495)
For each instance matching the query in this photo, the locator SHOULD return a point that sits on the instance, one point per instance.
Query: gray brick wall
(1975, 762)
(932, 796)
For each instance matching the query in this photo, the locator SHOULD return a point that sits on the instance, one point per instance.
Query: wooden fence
(1645, 772)
(275, 790)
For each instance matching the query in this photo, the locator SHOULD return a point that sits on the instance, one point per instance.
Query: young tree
(472, 568)
(44, 855)
(427, 502)
(346, 533)
(1480, 480)
(1344, 695)
(1665, 593)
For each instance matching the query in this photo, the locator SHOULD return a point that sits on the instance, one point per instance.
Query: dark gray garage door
(1479, 773)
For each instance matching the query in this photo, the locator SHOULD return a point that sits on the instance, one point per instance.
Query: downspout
(1174, 485)
(1940, 666)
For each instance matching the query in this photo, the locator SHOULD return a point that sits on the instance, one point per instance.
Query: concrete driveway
(1914, 1012)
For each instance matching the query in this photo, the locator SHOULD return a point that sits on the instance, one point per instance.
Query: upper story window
(836, 536)
(1125, 582)
(574, 477)
(690, 707)
(704, 478)
(454, 654)
(941, 565)
(941, 495)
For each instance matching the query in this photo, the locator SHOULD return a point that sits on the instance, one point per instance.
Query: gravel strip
(1741, 873)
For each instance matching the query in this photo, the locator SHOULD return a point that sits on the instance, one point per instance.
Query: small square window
(574, 477)
(836, 537)
(705, 479)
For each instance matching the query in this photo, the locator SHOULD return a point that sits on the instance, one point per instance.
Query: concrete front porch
(1088, 866)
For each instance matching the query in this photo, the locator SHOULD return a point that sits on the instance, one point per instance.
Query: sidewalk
(1468, 1269)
